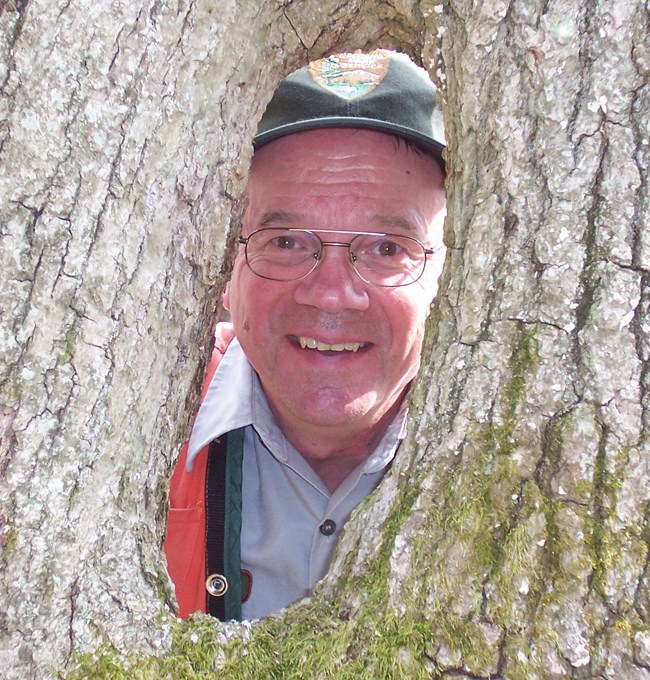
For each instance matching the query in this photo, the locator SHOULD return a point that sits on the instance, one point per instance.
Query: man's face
(343, 180)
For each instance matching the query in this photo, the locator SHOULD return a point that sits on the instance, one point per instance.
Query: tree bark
(510, 539)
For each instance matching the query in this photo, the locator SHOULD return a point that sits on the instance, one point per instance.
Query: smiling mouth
(311, 343)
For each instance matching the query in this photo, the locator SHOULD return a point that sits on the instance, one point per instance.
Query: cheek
(407, 317)
(428, 285)
(250, 299)
(234, 293)
(415, 309)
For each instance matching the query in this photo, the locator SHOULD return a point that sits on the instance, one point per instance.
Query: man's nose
(333, 286)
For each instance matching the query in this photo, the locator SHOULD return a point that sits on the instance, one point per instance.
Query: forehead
(333, 175)
(314, 147)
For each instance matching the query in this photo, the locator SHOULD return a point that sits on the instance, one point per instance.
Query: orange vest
(184, 544)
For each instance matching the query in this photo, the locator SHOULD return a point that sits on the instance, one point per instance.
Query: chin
(324, 410)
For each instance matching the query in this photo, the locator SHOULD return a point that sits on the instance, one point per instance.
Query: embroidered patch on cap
(350, 75)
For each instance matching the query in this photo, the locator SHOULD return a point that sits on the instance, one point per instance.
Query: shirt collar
(228, 401)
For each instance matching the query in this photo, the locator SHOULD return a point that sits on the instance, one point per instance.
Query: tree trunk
(510, 538)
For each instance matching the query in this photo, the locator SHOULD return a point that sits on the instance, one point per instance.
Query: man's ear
(226, 297)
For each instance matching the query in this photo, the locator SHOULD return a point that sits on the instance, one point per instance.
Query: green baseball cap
(380, 90)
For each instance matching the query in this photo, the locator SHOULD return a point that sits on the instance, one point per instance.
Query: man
(338, 263)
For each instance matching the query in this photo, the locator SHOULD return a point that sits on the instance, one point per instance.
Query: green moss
(554, 540)
(8, 540)
(644, 533)
(601, 542)
(491, 481)
(522, 359)
(161, 585)
(607, 542)
(524, 650)
(69, 342)
(554, 440)
(105, 662)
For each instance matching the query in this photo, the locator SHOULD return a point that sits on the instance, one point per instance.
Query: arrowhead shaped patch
(350, 75)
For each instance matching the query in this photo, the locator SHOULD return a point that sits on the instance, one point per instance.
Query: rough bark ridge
(510, 539)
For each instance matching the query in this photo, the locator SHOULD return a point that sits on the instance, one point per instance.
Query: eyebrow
(396, 222)
(274, 217)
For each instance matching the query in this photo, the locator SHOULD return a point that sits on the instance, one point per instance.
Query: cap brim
(425, 143)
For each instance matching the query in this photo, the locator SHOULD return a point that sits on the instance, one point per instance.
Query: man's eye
(285, 242)
(387, 249)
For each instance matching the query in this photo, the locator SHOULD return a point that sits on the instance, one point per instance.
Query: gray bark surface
(511, 537)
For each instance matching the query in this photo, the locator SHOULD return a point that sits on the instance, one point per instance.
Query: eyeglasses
(286, 254)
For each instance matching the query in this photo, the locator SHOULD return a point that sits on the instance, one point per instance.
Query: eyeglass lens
(290, 254)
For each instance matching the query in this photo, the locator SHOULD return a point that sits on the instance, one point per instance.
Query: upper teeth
(311, 343)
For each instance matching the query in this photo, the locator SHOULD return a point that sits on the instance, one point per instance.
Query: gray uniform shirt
(291, 522)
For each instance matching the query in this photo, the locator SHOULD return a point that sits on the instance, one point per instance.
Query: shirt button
(328, 527)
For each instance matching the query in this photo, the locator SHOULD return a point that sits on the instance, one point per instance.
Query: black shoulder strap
(223, 504)
(215, 520)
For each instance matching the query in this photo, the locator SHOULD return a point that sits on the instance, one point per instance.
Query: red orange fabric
(184, 545)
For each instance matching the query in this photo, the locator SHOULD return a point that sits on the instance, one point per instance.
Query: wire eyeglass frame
(353, 258)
